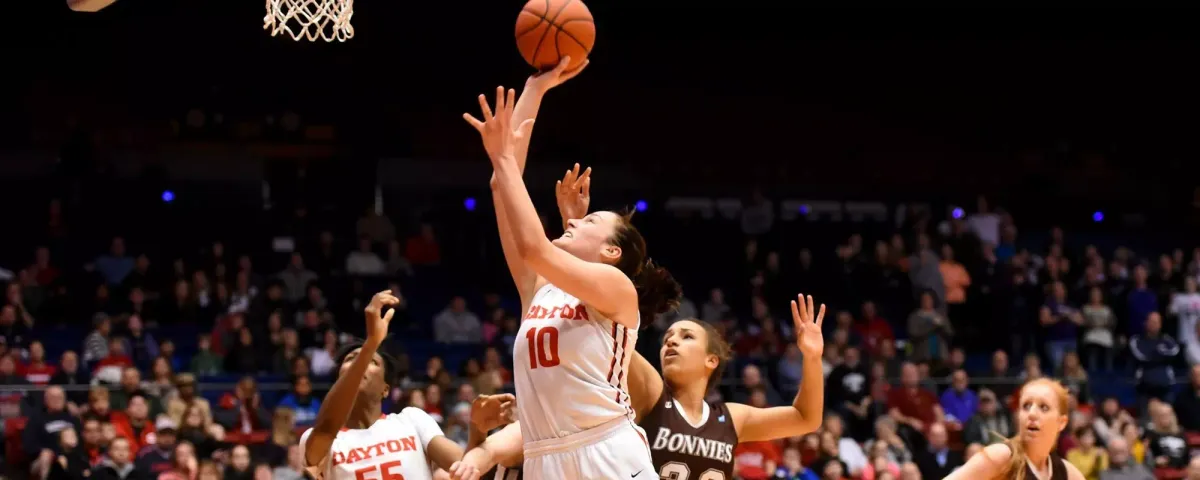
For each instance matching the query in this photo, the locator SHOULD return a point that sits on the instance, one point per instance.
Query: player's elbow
(807, 425)
(532, 250)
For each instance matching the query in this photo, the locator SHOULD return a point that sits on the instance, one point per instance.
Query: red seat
(1170, 473)
(1193, 439)
(12, 440)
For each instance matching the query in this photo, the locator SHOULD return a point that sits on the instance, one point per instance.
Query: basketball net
(310, 20)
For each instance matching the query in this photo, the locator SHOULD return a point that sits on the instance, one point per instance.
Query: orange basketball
(548, 30)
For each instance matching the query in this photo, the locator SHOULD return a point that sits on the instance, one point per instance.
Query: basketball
(548, 30)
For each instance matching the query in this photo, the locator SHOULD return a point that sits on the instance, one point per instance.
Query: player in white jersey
(352, 439)
(584, 295)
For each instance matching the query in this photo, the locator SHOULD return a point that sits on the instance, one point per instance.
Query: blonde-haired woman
(1042, 415)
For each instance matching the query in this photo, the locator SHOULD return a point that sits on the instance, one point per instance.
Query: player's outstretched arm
(335, 410)
(599, 285)
(88, 5)
(804, 416)
(526, 109)
(504, 447)
(645, 386)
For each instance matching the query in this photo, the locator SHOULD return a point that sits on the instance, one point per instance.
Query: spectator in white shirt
(849, 452)
(1186, 307)
(984, 223)
(456, 324)
(364, 261)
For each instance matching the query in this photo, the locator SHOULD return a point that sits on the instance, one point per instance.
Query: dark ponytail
(657, 291)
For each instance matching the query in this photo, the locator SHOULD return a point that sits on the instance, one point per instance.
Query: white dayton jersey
(393, 448)
(570, 367)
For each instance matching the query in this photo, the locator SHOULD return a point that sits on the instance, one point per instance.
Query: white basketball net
(310, 20)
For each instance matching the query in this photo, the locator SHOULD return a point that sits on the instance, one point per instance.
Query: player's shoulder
(410, 415)
(997, 453)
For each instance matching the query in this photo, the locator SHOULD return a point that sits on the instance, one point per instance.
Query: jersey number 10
(541, 355)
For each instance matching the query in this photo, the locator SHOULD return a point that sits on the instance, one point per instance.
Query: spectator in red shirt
(242, 411)
(36, 370)
(93, 440)
(873, 329)
(756, 460)
(134, 424)
(115, 362)
(43, 272)
(423, 249)
(912, 405)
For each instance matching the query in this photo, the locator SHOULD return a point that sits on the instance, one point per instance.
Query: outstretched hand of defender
(500, 137)
(574, 193)
(554, 77)
(377, 320)
(808, 329)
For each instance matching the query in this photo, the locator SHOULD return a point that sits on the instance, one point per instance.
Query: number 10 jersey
(570, 367)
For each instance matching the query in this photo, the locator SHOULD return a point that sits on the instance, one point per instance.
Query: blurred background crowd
(217, 354)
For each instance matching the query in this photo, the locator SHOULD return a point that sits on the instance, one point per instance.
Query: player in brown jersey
(692, 439)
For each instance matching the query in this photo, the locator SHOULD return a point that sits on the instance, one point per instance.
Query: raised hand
(574, 193)
(377, 320)
(808, 329)
(554, 77)
(489, 412)
(499, 137)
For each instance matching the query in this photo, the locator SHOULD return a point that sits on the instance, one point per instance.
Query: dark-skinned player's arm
(645, 386)
(805, 415)
(335, 409)
(599, 285)
(527, 109)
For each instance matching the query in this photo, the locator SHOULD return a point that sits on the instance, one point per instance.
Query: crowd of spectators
(209, 366)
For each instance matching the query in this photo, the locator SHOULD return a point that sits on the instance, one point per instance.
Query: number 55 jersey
(393, 448)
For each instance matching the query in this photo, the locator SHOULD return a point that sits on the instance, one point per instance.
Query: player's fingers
(581, 178)
(587, 187)
(569, 74)
(505, 397)
(821, 316)
(485, 108)
(499, 107)
(795, 313)
(474, 122)
(811, 310)
(387, 317)
(511, 101)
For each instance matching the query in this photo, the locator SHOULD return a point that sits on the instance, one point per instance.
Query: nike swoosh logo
(639, 472)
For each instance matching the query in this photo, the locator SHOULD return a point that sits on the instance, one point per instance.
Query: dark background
(1051, 111)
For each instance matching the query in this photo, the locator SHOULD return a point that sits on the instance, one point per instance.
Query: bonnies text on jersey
(358, 454)
(565, 312)
(692, 445)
